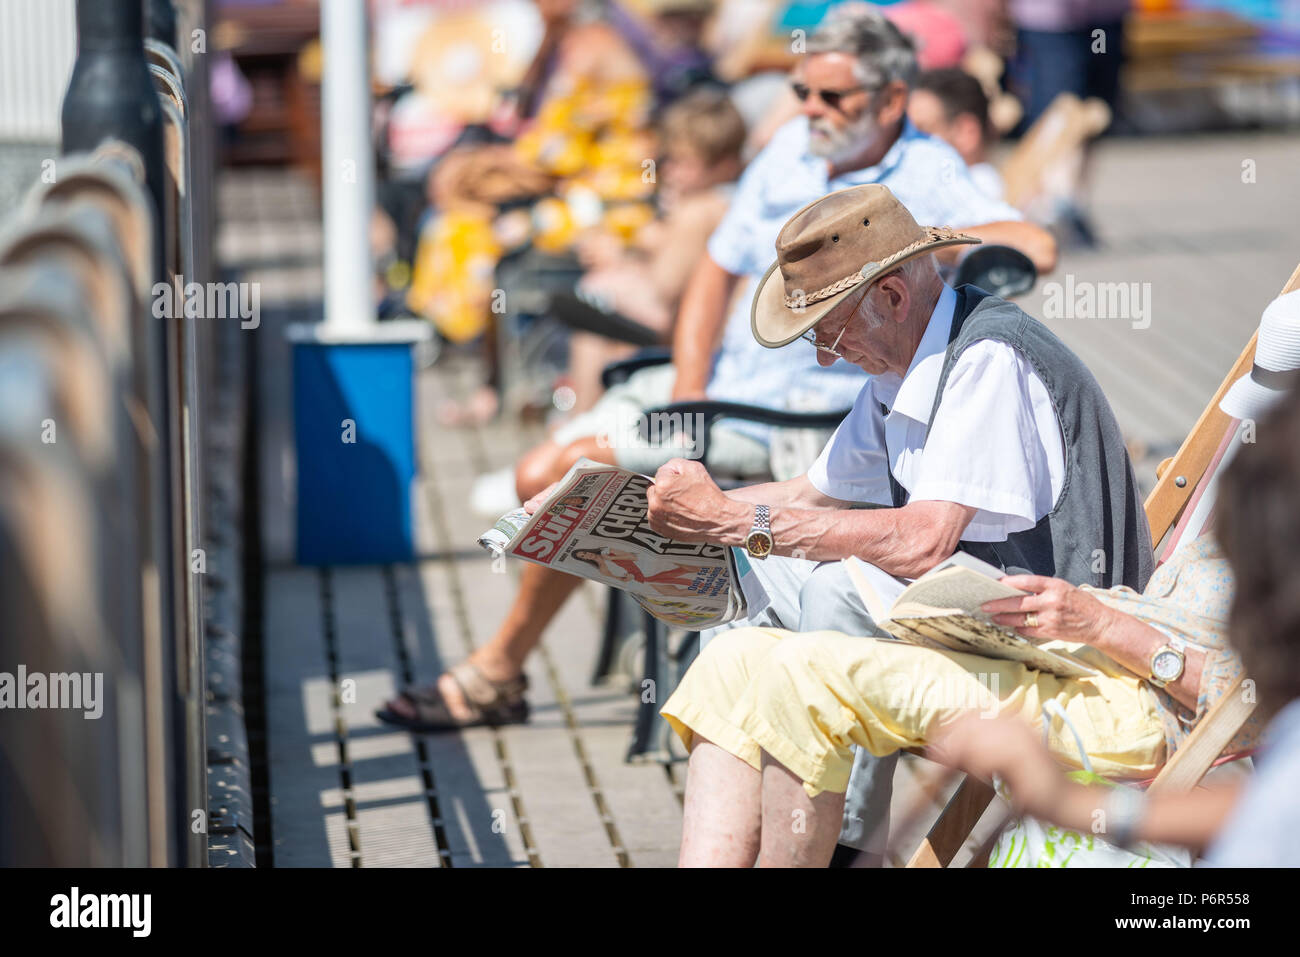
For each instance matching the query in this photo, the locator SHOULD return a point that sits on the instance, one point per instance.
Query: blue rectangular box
(354, 431)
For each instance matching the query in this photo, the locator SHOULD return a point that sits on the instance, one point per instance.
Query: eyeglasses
(832, 349)
(831, 98)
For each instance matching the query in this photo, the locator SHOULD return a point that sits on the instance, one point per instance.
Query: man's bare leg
(721, 811)
(547, 463)
(542, 592)
(798, 831)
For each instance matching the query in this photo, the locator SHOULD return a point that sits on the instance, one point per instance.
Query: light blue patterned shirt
(926, 175)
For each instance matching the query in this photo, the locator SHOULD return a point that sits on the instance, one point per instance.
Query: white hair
(881, 52)
(919, 273)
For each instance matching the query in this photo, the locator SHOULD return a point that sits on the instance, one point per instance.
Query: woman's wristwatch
(758, 543)
(1167, 663)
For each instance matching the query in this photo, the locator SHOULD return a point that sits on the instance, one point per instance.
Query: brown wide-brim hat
(835, 246)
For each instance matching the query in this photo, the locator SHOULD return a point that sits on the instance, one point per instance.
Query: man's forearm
(883, 537)
(797, 492)
(901, 541)
(700, 322)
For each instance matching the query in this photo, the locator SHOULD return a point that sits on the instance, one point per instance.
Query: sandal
(491, 703)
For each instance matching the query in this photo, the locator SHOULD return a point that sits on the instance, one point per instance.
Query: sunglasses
(831, 98)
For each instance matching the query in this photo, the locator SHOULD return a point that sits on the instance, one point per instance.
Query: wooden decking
(347, 791)
(555, 792)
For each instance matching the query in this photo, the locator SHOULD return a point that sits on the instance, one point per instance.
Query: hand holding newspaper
(594, 526)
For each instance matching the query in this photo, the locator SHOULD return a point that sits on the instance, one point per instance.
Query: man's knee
(534, 469)
(829, 601)
(549, 462)
(737, 649)
(792, 656)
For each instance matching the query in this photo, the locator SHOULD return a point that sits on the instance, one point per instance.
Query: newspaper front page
(594, 526)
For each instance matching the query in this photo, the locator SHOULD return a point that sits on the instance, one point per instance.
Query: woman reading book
(769, 716)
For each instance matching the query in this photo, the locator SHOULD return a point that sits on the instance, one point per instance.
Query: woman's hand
(1060, 610)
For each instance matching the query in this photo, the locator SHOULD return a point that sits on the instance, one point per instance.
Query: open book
(941, 610)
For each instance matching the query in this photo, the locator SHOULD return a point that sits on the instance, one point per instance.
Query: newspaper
(594, 526)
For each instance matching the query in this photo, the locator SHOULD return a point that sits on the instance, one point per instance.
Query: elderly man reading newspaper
(979, 431)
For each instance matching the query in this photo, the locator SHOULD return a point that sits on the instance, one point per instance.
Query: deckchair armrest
(698, 417)
(1207, 740)
(621, 371)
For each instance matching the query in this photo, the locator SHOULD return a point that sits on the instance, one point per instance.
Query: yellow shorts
(807, 698)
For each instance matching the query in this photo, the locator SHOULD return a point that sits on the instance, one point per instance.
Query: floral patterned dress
(1188, 598)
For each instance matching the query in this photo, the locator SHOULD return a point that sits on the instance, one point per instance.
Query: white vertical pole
(348, 168)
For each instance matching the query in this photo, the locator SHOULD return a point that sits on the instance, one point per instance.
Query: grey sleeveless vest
(1098, 532)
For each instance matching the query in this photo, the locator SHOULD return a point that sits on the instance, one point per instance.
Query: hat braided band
(796, 302)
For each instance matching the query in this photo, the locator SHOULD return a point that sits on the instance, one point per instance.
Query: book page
(878, 589)
(956, 587)
(903, 632)
(976, 636)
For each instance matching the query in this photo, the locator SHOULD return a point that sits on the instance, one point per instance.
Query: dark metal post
(160, 21)
(111, 95)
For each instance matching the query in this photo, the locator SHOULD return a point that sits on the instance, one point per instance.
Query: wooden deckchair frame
(1178, 478)
(1063, 129)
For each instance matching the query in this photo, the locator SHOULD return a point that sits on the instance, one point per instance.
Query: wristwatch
(1123, 808)
(1167, 663)
(758, 543)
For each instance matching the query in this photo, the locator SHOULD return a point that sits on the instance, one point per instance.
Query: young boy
(951, 105)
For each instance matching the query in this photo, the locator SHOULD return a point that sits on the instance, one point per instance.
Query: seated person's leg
(721, 806)
(547, 463)
(597, 434)
(721, 809)
(809, 698)
(495, 693)
(798, 830)
(817, 694)
(830, 602)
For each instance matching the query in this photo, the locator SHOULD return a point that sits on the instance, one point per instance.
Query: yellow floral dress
(594, 138)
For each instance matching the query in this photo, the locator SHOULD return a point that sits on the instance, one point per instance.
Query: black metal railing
(118, 533)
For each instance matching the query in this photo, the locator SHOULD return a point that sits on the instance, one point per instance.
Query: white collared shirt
(995, 444)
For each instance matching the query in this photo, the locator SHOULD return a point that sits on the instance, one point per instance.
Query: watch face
(758, 544)
(1167, 665)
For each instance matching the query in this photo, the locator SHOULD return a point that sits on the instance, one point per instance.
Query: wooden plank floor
(346, 791)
